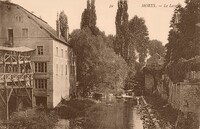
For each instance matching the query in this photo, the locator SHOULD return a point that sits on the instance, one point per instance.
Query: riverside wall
(183, 96)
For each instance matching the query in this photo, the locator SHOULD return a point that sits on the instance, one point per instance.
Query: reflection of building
(52, 60)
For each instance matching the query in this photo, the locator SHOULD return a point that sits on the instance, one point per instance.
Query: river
(119, 115)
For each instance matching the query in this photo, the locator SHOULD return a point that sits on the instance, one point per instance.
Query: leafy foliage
(156, 46)
(33, 119)
(89, 17)
(183, 37)
(99, 68)
(122, 42)
(174, 47)
(139, 36)
(64, 25)
(177, 70)
(131, 37)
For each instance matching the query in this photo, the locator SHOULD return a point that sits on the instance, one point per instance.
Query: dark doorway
(41, 101)
(10, 36)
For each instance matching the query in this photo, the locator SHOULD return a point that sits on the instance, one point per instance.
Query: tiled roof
(41, 23)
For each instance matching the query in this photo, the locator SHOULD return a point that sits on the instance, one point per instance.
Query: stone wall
(184, 96)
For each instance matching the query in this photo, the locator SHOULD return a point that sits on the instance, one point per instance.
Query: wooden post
(18, 64)
(11, 62)
(7, 105)
(4, 65)
(17, 101)
(32, 104)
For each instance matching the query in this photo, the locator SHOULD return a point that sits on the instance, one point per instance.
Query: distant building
(156, 61)
(53, 61)
(153, 71)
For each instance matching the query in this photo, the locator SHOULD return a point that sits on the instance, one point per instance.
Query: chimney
(58, 26)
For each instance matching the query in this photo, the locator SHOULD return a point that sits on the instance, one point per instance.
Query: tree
(64, 28)
(156, 46)
(174, 46)
(89, 17)
(188, 29)
(85, 19)
(183, 40)
(93, 16)
(139, 36)
(110, 41)
(99, 68)
(184, 34)
(121, 45)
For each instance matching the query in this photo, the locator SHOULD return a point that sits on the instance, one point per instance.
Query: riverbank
(157, 114)
(165, 116)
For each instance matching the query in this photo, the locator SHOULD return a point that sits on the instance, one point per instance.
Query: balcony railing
(14, 77)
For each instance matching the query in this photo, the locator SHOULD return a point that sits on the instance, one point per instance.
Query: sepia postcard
(100, 64)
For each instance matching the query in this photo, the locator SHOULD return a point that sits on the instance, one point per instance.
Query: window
(25, 32)
(40, 50)
(19, 19)
(41, 83)
(10, 36)
(62, 52)
(56, 69)
(62, 69)
(66, 70)
(66, 54)
(40, 67)
(56, 51)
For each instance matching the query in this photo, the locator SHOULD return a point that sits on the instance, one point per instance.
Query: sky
(157, 18)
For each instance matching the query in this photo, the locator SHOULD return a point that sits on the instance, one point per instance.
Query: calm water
(131, 117)
(120, 116)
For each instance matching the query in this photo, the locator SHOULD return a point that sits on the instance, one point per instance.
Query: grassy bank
(31, 119)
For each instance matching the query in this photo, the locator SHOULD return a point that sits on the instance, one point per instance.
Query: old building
(53, 62)
(153, 71)
(16, 79)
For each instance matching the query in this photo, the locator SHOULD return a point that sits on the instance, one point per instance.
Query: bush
(74, 108)
(33, 119)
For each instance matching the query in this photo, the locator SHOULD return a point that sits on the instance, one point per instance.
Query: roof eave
(61, 41)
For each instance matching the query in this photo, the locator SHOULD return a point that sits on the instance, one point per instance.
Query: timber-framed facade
(16, 76)
(53, 61)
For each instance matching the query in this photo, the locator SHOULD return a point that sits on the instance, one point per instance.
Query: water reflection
(122, 115)
(131, 117)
